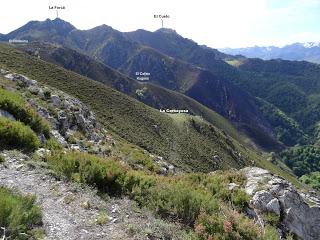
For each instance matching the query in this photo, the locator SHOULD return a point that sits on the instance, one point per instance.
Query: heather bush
(18, 214)
(193, 199)
(14, 134)
(14, 104)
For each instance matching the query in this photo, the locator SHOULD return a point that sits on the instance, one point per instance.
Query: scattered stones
(2, 71)
(164, 167)
(9, 76)
(75, 147)
(34, 89)
(232, 186)
(172, 169)
(21, 78)
(42, 152)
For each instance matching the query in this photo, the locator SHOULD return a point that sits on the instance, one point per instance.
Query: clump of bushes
(53, 145)
(302, 159)
(312, 179)
(18, 214)
(14, 134)
(226, 224)
(134, 156)
(193, 199)
(14, 104)
(88, 169)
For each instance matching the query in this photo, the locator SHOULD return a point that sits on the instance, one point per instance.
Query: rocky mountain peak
(167, 31)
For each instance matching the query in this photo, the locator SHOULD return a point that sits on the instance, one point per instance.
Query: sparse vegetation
(186, 198)
(270, 233)
(133, 156)
(271, 218)
(102, 218)
(19, 215)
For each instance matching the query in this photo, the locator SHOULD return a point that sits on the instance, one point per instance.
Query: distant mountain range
(309, 51)
(273, 102)
(121, 52)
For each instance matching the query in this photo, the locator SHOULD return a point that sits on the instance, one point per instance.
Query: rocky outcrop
(73, 124)
(298, 213)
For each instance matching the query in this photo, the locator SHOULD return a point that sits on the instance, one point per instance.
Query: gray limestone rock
(271, 193)
(6, 114)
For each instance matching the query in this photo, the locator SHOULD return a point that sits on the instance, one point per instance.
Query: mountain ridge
(134, 121)
(150, 94)
(120, 52)
(308, 51)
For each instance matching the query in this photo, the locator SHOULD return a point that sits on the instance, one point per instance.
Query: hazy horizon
(216, 24)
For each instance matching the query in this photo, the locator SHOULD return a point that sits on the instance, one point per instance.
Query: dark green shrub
(270, 233)
(89, 169)
(14, 104)
(271, 218)
(18, 214)
(14, 134)
(302, 159)
(53, 144)
(312, 179)
(47, 94)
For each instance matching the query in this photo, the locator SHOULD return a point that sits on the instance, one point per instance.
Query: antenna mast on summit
(161, 17)
(57, 8)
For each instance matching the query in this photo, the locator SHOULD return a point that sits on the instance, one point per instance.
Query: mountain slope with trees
(122, 53)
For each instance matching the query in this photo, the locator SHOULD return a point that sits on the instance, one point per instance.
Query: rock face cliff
(298, 213)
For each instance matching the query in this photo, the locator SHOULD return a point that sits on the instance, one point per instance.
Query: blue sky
(216, 23)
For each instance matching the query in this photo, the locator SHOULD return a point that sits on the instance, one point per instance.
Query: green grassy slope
(117, 50)
(140, 124)
(150, 94)
(291, 86)
(134, 121)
